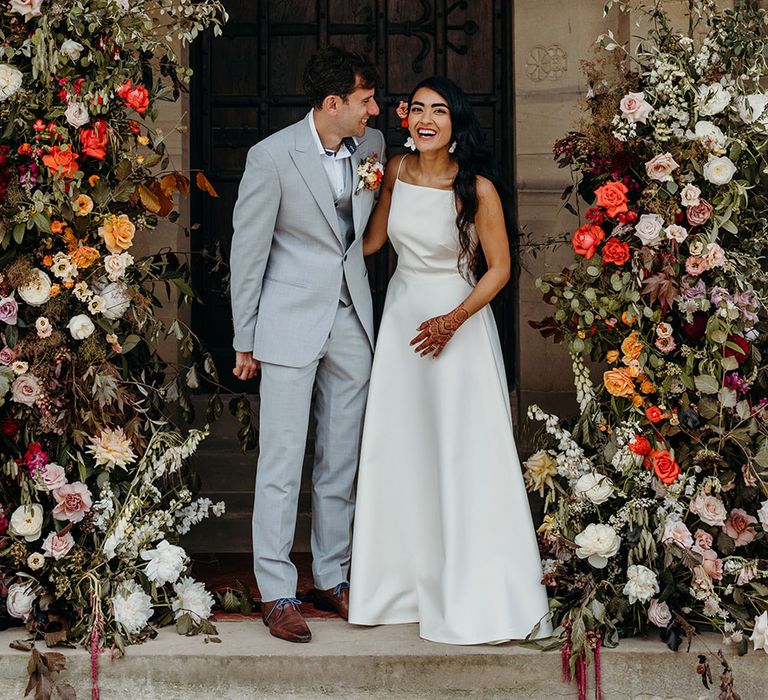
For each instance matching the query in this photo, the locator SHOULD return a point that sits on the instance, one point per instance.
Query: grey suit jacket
(288, 257)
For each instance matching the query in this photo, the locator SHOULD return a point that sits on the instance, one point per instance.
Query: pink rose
(53, 476)
(7, 356)
(26, 389)
(703, 541)
(710, 509)
(699, 214)
(9, 310)
(738, 527)
(73, 501)
(712, 565)
(660, 167)
(634, 107)
(676, 531)
(58, 546)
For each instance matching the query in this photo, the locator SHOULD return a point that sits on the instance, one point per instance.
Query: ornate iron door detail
(247, 85)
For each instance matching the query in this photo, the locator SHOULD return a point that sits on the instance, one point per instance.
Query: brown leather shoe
(284, 620)
(334, 599)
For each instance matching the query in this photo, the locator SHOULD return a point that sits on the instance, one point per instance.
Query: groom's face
(354, 112)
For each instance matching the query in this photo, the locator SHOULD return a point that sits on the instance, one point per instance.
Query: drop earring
(409, 143)
(452, 148)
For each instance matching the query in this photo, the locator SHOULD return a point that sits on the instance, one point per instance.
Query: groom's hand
(246, 366)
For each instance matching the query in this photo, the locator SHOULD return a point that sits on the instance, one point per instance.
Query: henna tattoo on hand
(436, 332)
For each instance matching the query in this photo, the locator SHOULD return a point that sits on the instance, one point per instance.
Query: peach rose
(632, 347)
(660, 167)
(634, 107)
(738, 526)
(84, 256)
(613, 197)
(710, 509)
(58, 546)
(712, 565)
(677, 532)
(618, 382)
(117, 232)
(703, 541)
(84, 205)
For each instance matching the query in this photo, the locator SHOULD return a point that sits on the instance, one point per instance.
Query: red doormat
(222, 571)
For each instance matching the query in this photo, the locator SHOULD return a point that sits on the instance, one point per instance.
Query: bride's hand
(436, 332)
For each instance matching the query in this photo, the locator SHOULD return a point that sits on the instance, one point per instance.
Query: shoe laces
(343, 586)
(282, 604)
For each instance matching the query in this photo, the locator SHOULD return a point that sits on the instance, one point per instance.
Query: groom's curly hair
(334, 71)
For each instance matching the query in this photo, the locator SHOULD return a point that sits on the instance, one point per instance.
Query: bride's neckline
(424, 187)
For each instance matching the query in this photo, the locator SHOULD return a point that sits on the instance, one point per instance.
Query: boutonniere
(370, 173)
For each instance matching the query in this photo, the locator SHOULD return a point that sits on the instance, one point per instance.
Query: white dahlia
(132, 607)
(112, 448)
(192, 598)
(10, 81)
(164, 563)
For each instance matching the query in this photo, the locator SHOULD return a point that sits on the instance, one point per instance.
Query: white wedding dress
(443, 534)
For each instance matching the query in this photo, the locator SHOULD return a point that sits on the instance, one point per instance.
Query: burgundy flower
(741, 355)
(697, 328)
(10, 428)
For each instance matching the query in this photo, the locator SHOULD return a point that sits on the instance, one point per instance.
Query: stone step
(383, 662)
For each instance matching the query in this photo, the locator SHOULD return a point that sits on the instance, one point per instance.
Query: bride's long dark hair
(474, 158)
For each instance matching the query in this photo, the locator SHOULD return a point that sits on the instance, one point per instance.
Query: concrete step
(383, 662)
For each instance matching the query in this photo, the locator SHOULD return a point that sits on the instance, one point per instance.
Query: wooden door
(247, 85)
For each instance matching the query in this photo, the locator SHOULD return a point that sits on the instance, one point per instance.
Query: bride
(443, 533)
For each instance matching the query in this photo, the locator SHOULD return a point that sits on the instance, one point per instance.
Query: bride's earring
(452, 148)
(409, 143)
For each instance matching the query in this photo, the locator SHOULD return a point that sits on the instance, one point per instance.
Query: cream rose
(27, 8)
(659, 614)
(710, 136)
(27, 522)
(712, 99)
(710, 509)
(661, 167)
(80, 327)
(26, 390)
(20, 600)
(596, 487)
(77, 114)
(10, 81)
(719, 170)
(634, 107)
(689, 195)
(116, 265)
(52, 476)
(37, 289)
(641, 585)
(648, 229)
(58, 546)
(597, 543)
(675, 531)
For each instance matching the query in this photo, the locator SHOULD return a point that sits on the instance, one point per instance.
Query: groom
(302, 314)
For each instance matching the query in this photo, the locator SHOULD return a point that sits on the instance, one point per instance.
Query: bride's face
(429, 121)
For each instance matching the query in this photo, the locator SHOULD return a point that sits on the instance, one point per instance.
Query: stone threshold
(383, 662)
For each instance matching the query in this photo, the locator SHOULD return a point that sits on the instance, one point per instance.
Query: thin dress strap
(400, 165)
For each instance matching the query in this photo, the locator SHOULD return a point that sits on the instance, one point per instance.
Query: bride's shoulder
(392, 169)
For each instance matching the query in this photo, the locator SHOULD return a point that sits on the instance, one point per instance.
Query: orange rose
(61, 160)
(613, 197)
(637, 400)
(611, 356)
(95, 140)
(135, 97)
(640, 445)
(586, 240)
(84, 205)
(664, 466)
(117, 232)
(618, 382)
(85, 256)
(632, 347)
(648, 387)
(654, 414)
(616, 252)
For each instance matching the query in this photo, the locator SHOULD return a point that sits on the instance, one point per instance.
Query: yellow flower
(611, 356)
(143, 140)
(637, 400)
(546, 527)
(117, 232)
(85, 256)
(540, 467)
(618, 382)
(93, 179)
(632, 347)
(648, 387)
(84, 205)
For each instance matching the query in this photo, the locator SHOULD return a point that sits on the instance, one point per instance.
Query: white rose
(37, 290)
(80, 327)
(77, 114)
(597, 543)
(659, 614)
(116, 299)
(760, 633)
(26, 389)
(752, 108)
(676, 233)
(72, 49)
(116, 264)
(712, 99)
(762, 514)
(719, 170)
(677, 532)
(132, 607)
(27, 522)
(648, 229)
(710, 509)
(165, 563)
(660, 167)
(689, 195)
(596, 487)
(52, 476)
(10, 81)
(192, 598)
(641, 584)
(35, 561)
(26, 8)
(20, 599)
(634, 107)
(710, 136)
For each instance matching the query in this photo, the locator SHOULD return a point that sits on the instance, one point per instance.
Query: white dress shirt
(335, 164)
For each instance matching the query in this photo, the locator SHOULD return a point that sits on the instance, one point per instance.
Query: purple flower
(693, 288)
(748, 305)
(719, 295)
(9, 310)
(736, 382)
(28, 174)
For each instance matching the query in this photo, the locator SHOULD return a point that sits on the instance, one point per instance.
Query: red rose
(586, 240)
(63, 161)
(654, 414)
(95, 140)
(10, 428)
(616, 252)
(742, 343)
(136, 97)
(640, 445)
(664, 466)
(613, 197)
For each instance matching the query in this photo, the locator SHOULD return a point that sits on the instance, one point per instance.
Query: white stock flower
(710, 136)
(112, 448)
(20, 599)
(37, 290)
(762, 514)
(27, 522)
(10, 81)
(164, 563)
(752, 108)
(77, 114)
(689, 195)
(641, 584)
(597, 543)
(719, 170)
(192, 598)
(596, 487)
(80, 327)
(72, 49)
(648, 229)
(659, 614)
(712, 99)
(132, 607)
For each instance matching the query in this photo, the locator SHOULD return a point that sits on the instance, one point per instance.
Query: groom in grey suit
(303, 318)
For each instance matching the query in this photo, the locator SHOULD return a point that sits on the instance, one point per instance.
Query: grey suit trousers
(336, 382)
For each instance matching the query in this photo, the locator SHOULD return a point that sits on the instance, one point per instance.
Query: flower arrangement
(370, 173)
(94, 487)
(656, 499)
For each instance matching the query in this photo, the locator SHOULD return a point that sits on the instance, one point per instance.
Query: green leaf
(130, 343)
(41, 221)
(183, 287)
(18, 233)
(706, 384)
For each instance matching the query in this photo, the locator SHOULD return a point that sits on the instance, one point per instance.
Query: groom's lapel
(357, 197)
(307, 161)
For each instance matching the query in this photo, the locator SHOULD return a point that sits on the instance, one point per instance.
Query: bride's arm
(489, 222)
(376, 232)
